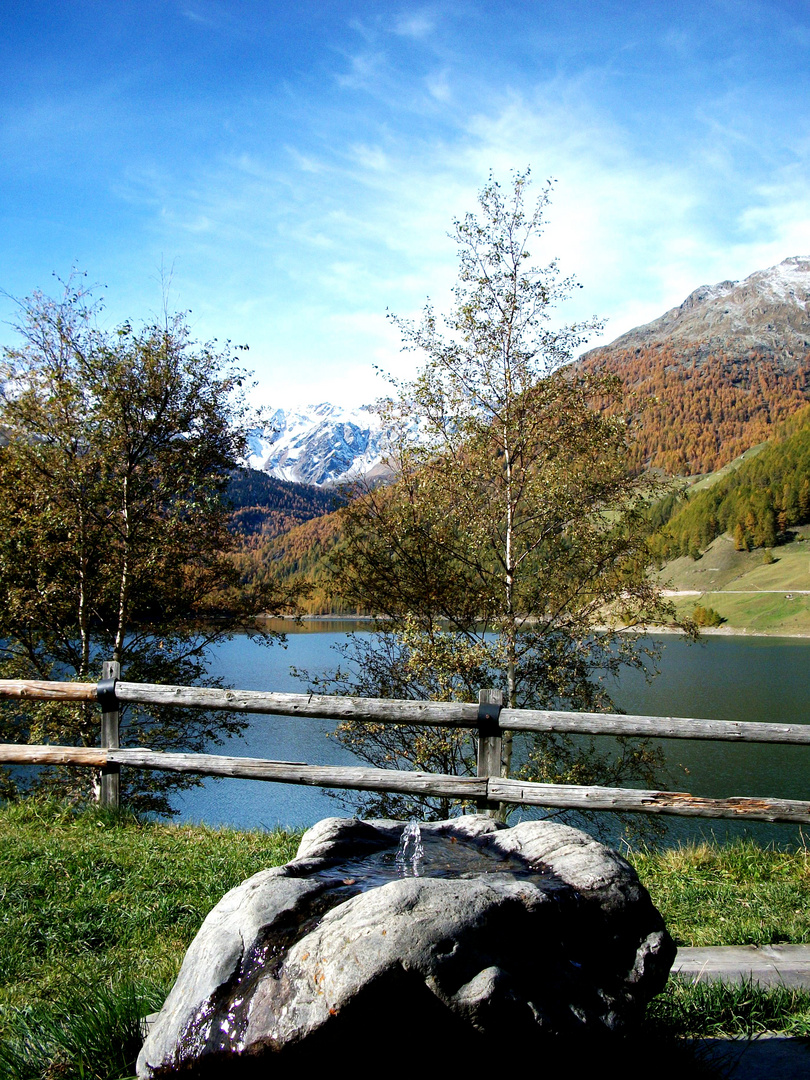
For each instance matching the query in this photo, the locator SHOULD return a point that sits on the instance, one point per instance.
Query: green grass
(749, 593)
(741, 894)
(767, 613)
(742, 1011)
(713, 478)
(92, 1031)
(98, 910)
(87, 896)
(721, 566)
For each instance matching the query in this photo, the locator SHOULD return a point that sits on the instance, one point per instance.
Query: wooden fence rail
(487, 789)
(431, 713)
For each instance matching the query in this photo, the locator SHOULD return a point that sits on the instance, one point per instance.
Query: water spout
(411, 853)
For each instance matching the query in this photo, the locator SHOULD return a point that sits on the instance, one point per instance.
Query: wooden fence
(488, 789)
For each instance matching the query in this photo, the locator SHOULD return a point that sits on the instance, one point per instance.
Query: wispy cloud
(639, 233)
(438, 86)
(196, 16)
(300, 208)
(415, 24)
(364, 71)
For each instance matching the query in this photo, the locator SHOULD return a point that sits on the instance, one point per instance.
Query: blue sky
(297, 166)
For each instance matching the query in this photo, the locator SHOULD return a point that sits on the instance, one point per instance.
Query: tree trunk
(511, 643)
(123, 595)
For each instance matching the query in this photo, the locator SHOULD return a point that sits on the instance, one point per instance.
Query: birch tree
(510, 550)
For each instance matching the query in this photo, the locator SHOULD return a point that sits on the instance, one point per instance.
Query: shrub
(707, 616)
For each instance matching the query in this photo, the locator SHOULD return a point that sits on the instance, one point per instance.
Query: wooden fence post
(490, 703)
(110, 795)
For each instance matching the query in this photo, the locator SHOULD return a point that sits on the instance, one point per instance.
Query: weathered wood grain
(47, 691)
(378, 710)
(460, 714)
(490, 746)
(573, 797)
(22, 754)
(110, 788)
(361, 778)
(431, 713)
(658, 727)
(494, 789)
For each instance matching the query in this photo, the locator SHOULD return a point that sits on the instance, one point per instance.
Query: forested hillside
(710, 379)
(758, 503)
(717, 373)
(691, 419)
(299, 556)
(264, 506)
(696, 409)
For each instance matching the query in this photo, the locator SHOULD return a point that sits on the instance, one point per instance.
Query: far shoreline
(673, 631)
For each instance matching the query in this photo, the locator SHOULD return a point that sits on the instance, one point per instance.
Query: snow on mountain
(769, 310)
(319, 444)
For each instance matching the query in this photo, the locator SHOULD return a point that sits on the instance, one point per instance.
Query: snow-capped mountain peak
(319, 444)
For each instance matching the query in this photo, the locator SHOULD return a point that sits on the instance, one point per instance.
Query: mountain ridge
(262, 506)
(714, 375)
(705, 381)
(768, 310)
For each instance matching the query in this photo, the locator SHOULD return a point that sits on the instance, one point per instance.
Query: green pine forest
(759, 500)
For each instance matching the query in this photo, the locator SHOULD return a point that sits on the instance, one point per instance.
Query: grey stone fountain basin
(498, 941)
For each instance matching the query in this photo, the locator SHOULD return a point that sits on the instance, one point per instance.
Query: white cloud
(438, 86)
(370, 157)
(364, 71)
(300, 251)
(195, 16)
(781, 218)
(415, 24)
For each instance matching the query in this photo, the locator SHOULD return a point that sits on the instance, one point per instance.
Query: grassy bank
(98, 911)
(92, 897)
(751, 594)
(740, 894)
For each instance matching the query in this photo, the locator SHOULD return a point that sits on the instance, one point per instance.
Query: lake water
(724, 678)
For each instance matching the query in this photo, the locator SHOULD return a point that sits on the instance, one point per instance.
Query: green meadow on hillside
(751, 594)
(737, 541)
(760, 498)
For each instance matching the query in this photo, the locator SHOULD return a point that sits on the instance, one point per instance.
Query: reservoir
(725, 678)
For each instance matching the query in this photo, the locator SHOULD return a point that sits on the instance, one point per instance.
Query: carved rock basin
(527, 934)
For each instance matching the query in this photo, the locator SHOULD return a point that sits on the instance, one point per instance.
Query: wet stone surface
(529, 933)
(443, 857)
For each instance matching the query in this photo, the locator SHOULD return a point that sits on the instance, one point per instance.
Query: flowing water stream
(411, 853)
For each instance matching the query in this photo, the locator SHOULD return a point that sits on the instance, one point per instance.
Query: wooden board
(492, 788)
(431, 713)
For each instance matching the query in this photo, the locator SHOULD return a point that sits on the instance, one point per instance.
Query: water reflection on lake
(724, 678)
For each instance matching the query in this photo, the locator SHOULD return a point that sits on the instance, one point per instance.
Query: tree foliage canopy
(758, 502)
(511, 549)
(117, 451)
